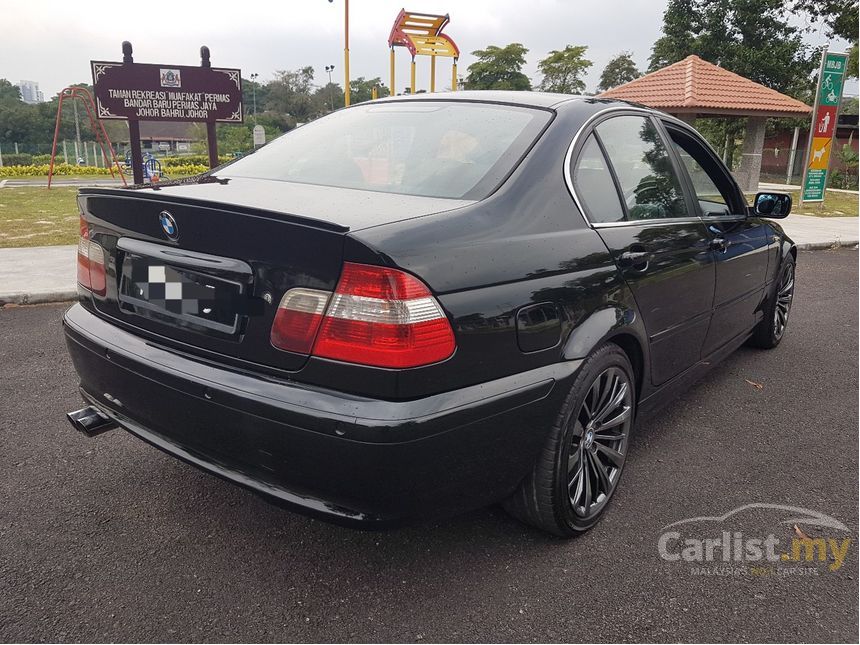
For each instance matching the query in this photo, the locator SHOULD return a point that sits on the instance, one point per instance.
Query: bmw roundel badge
(168, 225)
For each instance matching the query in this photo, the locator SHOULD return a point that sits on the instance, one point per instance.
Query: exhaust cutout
(90, 421)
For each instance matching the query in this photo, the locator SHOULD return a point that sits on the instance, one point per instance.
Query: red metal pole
(56, 134)
(101, 134)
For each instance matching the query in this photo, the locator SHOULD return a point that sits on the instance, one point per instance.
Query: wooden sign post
(147, 92)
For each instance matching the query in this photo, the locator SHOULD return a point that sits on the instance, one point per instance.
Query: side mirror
(773, 205)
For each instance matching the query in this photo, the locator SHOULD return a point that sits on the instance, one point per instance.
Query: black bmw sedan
(423, 305)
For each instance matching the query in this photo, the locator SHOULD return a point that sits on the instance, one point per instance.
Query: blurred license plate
(179, 296)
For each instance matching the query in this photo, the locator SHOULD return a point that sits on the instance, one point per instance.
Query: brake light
(377, 316)
(91, 262)
(84, 255)
(298, 319)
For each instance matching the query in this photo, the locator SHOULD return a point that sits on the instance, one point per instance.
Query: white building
(30, 92)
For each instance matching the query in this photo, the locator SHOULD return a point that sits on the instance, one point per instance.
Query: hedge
(197, 160)
(68, 169)
(17, 159)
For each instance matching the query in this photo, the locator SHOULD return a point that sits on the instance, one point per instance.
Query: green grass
(44, 178)
(834, 205)
(38, 216)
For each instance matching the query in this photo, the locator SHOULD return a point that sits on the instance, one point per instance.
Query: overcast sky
(51, 42)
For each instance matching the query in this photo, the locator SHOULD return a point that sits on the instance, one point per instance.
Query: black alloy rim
(599, 442)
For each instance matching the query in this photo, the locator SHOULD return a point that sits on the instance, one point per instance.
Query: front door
(660, 245)
(740, 242)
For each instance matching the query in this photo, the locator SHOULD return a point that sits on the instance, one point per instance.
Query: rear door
(637, 204)
(740, 242)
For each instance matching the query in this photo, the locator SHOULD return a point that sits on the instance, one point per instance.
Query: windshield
(433, 148)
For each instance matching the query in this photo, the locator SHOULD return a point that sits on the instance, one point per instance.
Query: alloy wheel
(599, 442)
(784, 296)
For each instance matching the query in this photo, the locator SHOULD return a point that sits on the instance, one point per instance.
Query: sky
(51, 42)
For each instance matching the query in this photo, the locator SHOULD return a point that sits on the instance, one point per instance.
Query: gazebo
(694, 88)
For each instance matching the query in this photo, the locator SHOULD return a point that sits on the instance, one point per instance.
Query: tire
(552, 497)
(771, 329)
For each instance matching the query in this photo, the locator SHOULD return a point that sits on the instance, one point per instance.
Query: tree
(330, 97)
(852, 61)
(361, 89)
(9, 94)
(254, 91)
(753, 39)
(839, 16)
(498, 68)
(290, 93)
(849, 105)
(563, 70)
(618, 71)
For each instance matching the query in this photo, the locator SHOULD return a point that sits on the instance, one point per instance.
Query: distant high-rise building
(30, 92)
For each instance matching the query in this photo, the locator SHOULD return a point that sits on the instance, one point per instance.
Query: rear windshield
(435, 149)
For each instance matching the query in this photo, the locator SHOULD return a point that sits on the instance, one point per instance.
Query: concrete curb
(38, 298)
(823, 246)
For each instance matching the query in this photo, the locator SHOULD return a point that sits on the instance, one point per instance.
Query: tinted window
(648, 182)
(459, 150)
(709, 183)
(594, 185)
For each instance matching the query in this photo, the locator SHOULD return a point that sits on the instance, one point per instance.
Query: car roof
(527, 99)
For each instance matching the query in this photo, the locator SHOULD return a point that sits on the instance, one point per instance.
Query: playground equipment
(421, 34)
(81, 94)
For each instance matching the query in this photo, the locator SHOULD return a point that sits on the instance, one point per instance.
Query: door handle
(634, 259)
(719, 244)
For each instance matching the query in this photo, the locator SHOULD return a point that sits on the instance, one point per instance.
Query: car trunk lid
(214, 288)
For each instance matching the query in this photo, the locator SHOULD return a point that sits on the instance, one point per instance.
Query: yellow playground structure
(421, 34)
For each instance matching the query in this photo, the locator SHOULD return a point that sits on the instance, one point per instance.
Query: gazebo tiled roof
(695, 86)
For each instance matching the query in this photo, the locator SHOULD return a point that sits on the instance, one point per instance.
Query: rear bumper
(342, 457)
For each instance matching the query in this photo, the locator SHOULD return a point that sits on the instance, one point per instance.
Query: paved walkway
(38, 274)
(48, 273)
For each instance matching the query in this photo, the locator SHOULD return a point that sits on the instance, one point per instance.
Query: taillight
(91, 262)
(298, 319)
(84, 255)
(377, 316)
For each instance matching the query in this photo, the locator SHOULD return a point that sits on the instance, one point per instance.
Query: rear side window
(436, 149)
(649, 185)
(594, 185)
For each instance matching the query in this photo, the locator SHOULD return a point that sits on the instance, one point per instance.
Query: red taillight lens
(385, 318)
(298, 319)
(84, 255)
(91, 262)
(377, 316)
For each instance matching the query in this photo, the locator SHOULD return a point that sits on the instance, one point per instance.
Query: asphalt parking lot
(108, 539)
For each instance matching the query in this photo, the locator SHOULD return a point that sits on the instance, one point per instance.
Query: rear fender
(606, 325)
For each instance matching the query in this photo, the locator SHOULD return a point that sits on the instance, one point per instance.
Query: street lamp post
(329, 69)
(345, 51)
(254, 90)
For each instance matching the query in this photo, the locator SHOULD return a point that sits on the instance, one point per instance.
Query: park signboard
(139, 92)
(148, 92)
(822, 134)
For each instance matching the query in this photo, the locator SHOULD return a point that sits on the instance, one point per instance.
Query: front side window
(434, 149)
(649, 185)
(712, 191)
(594, 185)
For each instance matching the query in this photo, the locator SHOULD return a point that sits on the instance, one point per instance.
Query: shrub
(22, 159)
(42, 170)
(68, 169)
(197, 160)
